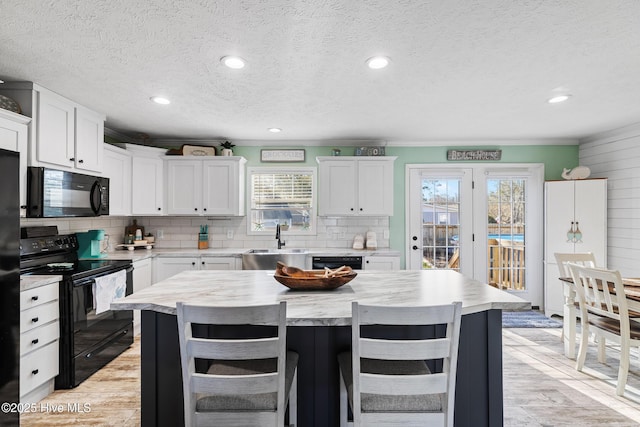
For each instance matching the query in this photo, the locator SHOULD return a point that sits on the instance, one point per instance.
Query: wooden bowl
(309, 283)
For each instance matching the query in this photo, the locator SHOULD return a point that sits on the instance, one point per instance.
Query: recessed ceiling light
(377, 62)
(558, 98)
(1, 81)
(160, 100)
(274, 130)
(234, 62)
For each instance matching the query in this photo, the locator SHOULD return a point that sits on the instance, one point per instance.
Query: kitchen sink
(266, 259)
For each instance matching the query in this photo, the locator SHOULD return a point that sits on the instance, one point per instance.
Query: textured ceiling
(461, 70)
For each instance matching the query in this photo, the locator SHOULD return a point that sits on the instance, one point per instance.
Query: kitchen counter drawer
(38, 367)
(38, 296)
(39, 337)
(37, 316)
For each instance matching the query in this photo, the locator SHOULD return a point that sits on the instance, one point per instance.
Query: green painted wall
(554, 157)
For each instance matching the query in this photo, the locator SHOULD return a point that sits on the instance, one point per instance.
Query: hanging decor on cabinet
(579, 172)
(574, 235)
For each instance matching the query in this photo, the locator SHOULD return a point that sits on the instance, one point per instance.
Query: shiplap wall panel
(616, 155)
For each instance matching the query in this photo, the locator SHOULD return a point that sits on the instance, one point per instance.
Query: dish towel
(108, 288)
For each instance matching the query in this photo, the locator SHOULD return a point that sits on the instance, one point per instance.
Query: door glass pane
(440, 223)
(506, 233)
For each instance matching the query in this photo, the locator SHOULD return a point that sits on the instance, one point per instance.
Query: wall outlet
(160, 234)
(229, 234)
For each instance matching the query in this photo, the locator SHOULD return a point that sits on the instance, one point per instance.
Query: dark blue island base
(478, 387)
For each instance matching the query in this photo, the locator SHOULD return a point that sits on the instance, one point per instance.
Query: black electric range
(88, 340)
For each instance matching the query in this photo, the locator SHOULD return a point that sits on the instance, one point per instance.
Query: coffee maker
(90, 244)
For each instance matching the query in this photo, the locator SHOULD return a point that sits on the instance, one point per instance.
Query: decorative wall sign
(282, 155)
(369, 151)
(461, 155)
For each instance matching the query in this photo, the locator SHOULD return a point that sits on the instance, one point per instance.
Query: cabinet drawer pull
(80, 161)
(34, 298)
(35, 372)
(34, 342)
(34, 320)
(73, 159)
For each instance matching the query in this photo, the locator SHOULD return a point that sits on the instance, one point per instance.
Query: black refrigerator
(9, 287)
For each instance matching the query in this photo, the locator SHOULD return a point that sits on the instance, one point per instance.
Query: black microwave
(53, 193)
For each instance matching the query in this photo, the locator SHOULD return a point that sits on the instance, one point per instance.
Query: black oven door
(88, 341)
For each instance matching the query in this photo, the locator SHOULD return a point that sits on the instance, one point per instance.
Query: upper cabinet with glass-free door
(205, 186)
(64, 134)
(350, 186)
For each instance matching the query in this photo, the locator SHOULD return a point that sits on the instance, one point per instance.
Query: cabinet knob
(351, 209)
(34, 342)
(34, 320)
(414, 247)
(414, 238)
(193, 263)
(80, 161)
(367, 261)
(204, 209)
(34, 298)
(73, 159)
(159, 209)
(360, 209)
(35, 372)
(202, 262)
(23, 206)
(195, 209)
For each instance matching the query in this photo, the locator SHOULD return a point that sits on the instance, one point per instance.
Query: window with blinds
(282, 196)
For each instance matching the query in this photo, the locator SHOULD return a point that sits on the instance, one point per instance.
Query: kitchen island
(319, 328)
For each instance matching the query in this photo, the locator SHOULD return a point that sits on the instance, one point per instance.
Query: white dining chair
(605, 314)
(387, 382)
(249, 381)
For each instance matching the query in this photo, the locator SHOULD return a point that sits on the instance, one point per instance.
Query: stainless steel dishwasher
(320, 262)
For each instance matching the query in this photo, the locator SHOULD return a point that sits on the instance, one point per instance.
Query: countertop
(30, 282)
(140, 254)
(321, 308)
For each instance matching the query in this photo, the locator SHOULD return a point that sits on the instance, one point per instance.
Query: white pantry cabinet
(356, 185)
(14, 136)
(569, 205)
(211, 186)
(64, 134)
(117, 167)
(147, 180)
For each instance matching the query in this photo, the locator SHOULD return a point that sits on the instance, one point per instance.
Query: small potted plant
(227, 148)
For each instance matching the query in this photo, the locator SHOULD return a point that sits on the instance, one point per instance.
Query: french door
(484, 221)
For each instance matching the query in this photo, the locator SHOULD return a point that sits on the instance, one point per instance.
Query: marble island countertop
(321, 308)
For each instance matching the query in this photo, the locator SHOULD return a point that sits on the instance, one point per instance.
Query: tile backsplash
(182, 232)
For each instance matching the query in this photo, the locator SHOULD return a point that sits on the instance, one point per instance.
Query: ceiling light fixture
(378, 62)
(558, 98)
(160, 100)
(1, 81)
(234, 62)
(274, 130)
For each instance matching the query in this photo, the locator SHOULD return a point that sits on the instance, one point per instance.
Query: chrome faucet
(280, 242)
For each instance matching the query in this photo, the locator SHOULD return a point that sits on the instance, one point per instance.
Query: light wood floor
(541, 388)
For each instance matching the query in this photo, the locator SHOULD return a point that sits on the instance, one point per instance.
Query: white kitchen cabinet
(89, 140)
(39, 336)
(147, 180)
(220, 263)
(14, 136)
(64, 134)
(170, 266)
(212, 186)
(350, 186)
(142, 276)
(117, 167)
(583, 203)
(381, 263)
